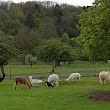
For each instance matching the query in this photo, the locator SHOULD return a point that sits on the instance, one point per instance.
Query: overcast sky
(72, 2)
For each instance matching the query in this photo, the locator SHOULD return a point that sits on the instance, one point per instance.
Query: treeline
(50, 32)
(33, 23)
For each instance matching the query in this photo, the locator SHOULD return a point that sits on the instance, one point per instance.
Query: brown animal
(22, 81)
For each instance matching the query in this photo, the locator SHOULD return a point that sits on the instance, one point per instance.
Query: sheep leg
(79, 79)
(57, 84)
(101, 81)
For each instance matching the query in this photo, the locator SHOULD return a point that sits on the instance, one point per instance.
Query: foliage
(65, 38)
(7, 49)
(27, 39)
(95, 31)
(47, 28)
(30, 60)
(20, 58)
(57, 50)
(32, 22)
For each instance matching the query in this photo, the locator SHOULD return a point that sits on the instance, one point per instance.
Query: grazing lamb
(35, 82)
(104, 77)
(22, 81)
(73, 76)
(47, 84)
(53, 79)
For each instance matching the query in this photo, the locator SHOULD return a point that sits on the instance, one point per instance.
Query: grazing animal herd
(104, 77)
(53, 80)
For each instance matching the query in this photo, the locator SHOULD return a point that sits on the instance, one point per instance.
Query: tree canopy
(7, 49)
(57, 50)
(94, 26)
(30, 23)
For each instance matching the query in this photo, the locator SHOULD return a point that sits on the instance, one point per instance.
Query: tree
(30, 60)
(15, 20)
(95, 31)
(6, 50)
(57, 14)
(55, 51)
(65, 38)
(70, 20)
(16, 12)
(12, 27)
(27, 39)
(47, 28)
(30, 20)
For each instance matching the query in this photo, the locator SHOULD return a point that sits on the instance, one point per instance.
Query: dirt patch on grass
(100, 96)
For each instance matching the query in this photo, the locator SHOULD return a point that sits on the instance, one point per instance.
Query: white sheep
(73, 76)
(104, 77)
(35, 82)
(53, 79)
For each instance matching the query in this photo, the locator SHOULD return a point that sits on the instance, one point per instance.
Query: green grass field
(43, 68)
(68, 96)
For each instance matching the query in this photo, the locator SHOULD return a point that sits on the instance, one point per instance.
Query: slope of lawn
(68, 96)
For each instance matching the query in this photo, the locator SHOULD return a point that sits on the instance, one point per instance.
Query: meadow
(77, 66)
(68, 96)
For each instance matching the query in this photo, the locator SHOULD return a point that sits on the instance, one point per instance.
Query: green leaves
(94, 28)
(7, 49)
(55, 48)
(30, 59)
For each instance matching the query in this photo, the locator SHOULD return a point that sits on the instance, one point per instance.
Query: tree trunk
(94, 66)
(53, 68)
(2, 69)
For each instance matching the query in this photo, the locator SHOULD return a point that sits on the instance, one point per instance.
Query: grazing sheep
(53, 79)
(73, 76)
(22, 81)
(35, 82)
(47, 84)
(104, 77)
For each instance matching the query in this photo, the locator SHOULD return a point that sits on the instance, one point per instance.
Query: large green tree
(94, 26)
(55, 51)
(6, 50)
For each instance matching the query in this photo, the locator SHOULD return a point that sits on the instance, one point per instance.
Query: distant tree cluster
(50, 32)
(33, 22)
(34, 31)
